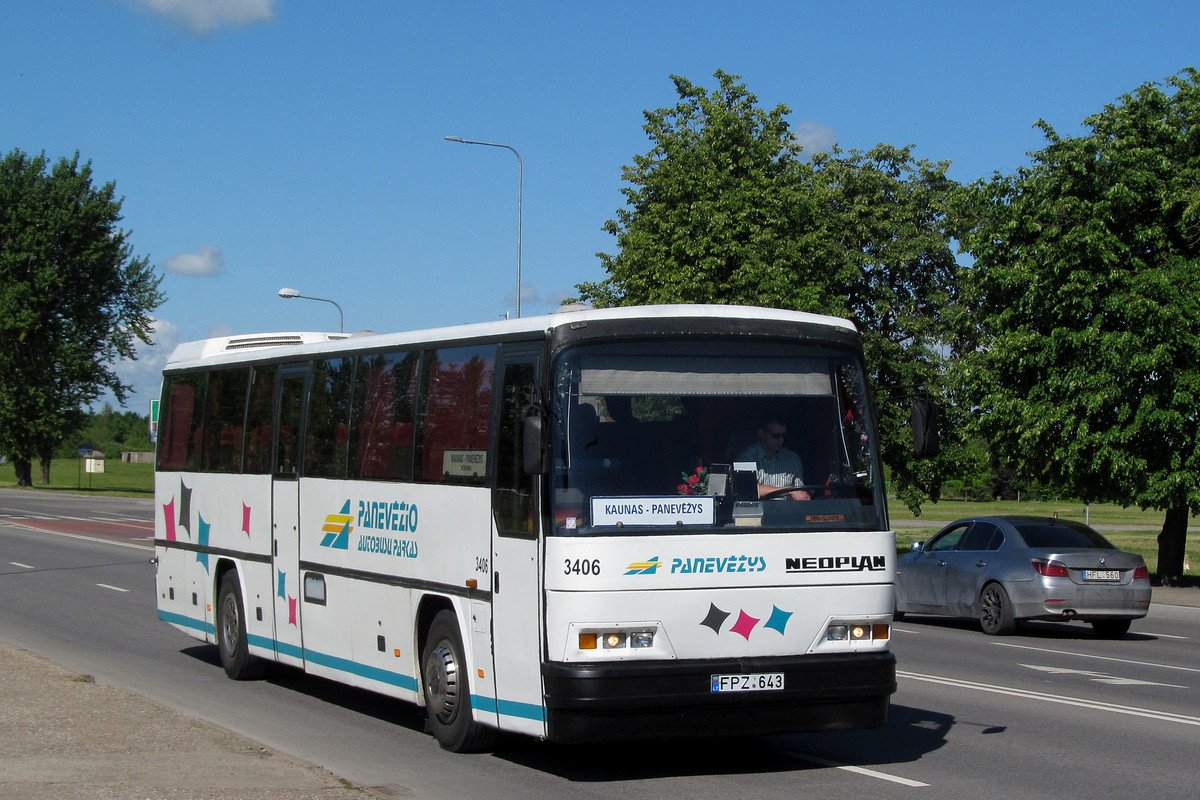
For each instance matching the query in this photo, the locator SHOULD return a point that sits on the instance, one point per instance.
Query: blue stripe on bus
(186, 622)
(362, 670)
(505, 708)
(508, 708)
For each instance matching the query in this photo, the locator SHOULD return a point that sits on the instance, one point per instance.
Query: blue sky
(268, 143)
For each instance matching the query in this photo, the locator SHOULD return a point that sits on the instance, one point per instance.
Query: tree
(1081, 314)
(110, 431)
(725, 209)
(713, 208)
(73, 300)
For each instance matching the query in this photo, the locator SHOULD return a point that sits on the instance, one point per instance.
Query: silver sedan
(1004, 569)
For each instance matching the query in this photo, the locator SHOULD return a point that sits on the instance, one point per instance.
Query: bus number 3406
(581, 566)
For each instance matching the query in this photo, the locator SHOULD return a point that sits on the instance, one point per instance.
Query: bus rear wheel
(447, 691)
(231, 632)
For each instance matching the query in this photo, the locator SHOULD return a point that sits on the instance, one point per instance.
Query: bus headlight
(640, 640)
(857, 631)
(616, 640)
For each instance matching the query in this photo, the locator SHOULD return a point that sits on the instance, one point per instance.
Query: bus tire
(231, 632)
(447, 691)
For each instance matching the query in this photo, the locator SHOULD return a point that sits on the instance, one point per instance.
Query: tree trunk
(24, 469)
(44, 457)
(1171, 545)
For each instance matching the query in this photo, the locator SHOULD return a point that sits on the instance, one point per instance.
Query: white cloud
(205, 16)
(144, 374)
(204, 262)
(814, 137)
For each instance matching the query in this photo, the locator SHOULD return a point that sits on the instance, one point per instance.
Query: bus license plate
(760, 682)
(1101, 575)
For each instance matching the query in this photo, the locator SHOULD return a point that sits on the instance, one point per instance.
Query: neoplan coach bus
(545, 525)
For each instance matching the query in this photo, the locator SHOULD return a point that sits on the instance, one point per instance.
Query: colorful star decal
(281, 585)
(202, 540)
(185, 507)
(291, 610)
(715, 619)
(169, 519)
(744, 625)
(245, 519)
(778, 620)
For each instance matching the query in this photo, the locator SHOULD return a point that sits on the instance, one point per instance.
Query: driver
(778, 466)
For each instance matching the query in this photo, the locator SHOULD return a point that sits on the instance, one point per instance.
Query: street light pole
(288, 294)
(520, 182)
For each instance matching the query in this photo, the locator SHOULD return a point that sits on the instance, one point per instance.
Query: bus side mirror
(924, 429)
(533, 453)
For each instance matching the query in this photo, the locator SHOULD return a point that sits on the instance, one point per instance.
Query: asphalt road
(1052, 710)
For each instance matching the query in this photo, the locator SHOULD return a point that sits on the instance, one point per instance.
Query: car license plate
(1101, 575)
(760, 682)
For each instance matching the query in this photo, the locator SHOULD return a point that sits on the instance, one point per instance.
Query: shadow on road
(909, 734)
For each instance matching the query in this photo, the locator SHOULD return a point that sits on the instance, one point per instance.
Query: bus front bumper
(674, 699)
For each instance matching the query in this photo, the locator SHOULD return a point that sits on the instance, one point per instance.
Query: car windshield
(669, 438)
(1060, 534)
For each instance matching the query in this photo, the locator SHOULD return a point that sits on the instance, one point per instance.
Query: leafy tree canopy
(725, 209)
(1081, 314)
(73, 300)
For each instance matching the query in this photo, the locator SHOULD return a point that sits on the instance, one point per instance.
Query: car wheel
(995, 611)
(231, 632)
(447, 692)
(1111, 628)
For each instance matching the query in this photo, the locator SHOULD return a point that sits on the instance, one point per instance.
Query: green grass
(66, 475)
(1132, 529)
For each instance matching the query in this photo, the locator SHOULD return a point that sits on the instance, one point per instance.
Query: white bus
(547, 525)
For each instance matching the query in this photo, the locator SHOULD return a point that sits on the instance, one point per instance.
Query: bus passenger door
(285, 513)
(516, 587)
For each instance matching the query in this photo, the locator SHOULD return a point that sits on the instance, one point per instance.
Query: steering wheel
(837, 489)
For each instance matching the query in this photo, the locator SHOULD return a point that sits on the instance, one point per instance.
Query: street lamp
(287, 294)
(520, 180)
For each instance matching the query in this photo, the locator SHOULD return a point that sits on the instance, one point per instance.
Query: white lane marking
(1098, 658)
(98, 539)
(22, 566)
(870, 773)
(1100, 677)
(1042, 697)
(114, 588)
(1164, 635)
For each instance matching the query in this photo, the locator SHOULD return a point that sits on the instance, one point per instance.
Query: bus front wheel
(447, 692)
(231, 632)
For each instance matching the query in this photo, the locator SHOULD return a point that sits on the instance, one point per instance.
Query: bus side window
(328, 414)
(457, 406)
(514, 486)
(381, 419)
(258, 421)
(183, 411)
(225, 409)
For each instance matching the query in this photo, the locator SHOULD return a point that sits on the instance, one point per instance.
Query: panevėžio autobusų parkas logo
(337, 529)
(373, 516)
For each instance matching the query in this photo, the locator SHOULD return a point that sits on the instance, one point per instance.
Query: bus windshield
(712, 435)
